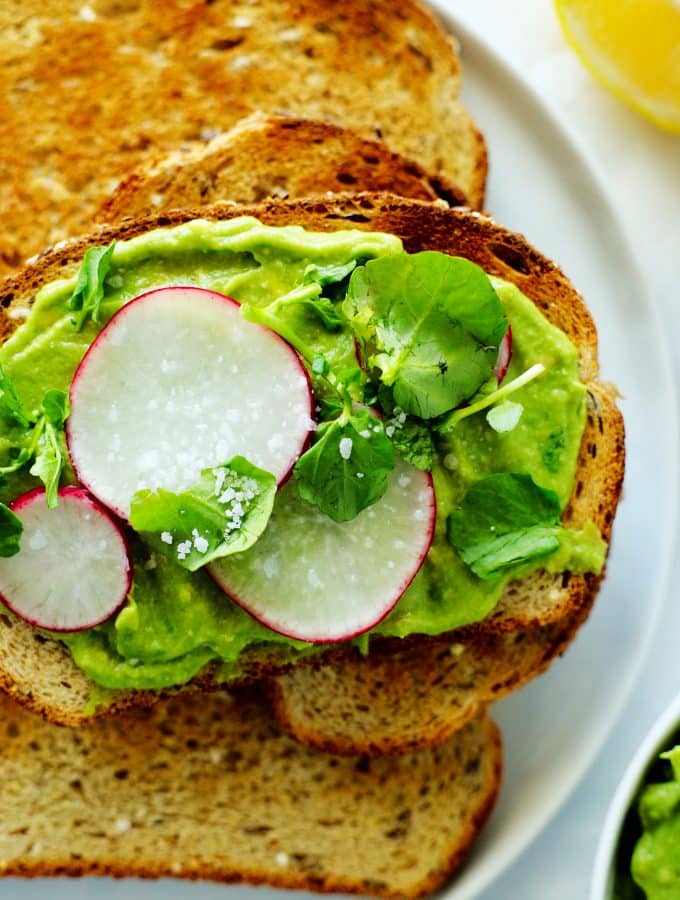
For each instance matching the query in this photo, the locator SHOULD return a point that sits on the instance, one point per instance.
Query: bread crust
(123, 798)
(421, 225)
(279, 156)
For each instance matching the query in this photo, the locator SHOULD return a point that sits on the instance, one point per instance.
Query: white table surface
(639, 167)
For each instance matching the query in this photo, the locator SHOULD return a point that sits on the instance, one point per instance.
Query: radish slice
(179, 381)
(317, 580)
(73, 569)
(504, 356)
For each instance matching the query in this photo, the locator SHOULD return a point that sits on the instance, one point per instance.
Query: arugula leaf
(41, 441)
(87, 297)
(56, 408)
(347, 467)
(225, 512)
(11, 529)
(49, 463)
(10, 403)
(274, 315)
(331, 274)
(504, 520)
(325, 311)
(434, 323)
(46, 445)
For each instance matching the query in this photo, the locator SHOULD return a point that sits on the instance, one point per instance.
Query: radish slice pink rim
(33, 573)
(504, 356)
(294, 588)
(232, 384)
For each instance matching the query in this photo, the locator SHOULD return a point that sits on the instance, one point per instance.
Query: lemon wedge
(633, 48)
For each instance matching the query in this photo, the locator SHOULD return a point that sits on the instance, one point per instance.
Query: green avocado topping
(656, 858)
(428, 328)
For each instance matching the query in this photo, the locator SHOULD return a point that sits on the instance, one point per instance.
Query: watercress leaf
(433, 324)
(56, 408)
(347, 468)
(504, 520)
(224, 512)
(330, 274)
(490, 558)
(11, 529)
(49, 462)
(412, 440)
(87, 297)
(10, 404)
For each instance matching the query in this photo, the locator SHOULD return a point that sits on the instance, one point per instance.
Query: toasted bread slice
(411, 698)
(170, 73)
(415, 697)
(40, 672)
(125, 797)
(273, 156)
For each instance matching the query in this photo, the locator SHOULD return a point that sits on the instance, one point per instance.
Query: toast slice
(124, 797)
(171, 73)
(273, 156)
(39, 671)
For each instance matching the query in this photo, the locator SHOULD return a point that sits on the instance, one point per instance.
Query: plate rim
(474, 44)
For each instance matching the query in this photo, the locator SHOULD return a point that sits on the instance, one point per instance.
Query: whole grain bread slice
(217, 791)
(40, 672)
(413, 697)
(89, 92)
(273, 156)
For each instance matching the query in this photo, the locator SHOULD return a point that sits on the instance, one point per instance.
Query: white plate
(541, 185)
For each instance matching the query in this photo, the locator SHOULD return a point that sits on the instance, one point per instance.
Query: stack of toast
(370, 774)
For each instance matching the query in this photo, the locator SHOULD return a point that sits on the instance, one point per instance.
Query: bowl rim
(655, 741)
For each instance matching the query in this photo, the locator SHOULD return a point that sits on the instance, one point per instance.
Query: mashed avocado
(175, 622)
(656, 858)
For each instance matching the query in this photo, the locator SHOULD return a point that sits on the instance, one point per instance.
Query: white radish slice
(179, 381)
(504, 356)
(73, 568)
(317, 580)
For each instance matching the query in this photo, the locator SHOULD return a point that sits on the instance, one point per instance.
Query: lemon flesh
(633, 48)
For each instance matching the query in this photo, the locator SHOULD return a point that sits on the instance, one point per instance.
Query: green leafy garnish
(431, 323)
(41, 441)
(487, 400)
(347, 467)
(87, 297)
(330, 274)
(411, 437)
(225, 512)
(504, 520)
(307, 296)
(46, 445)
(10, 403)
(413, 442)
(11, 529)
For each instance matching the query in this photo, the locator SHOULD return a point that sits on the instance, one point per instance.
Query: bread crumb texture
(90, 92)
(215, 790)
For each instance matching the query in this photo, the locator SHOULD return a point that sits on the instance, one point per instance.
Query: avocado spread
(656, 858)
(175, 621)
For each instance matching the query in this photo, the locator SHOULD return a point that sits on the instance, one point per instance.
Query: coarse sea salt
(345, 447)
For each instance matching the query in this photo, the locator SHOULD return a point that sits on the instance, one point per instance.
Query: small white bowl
(666, 727)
